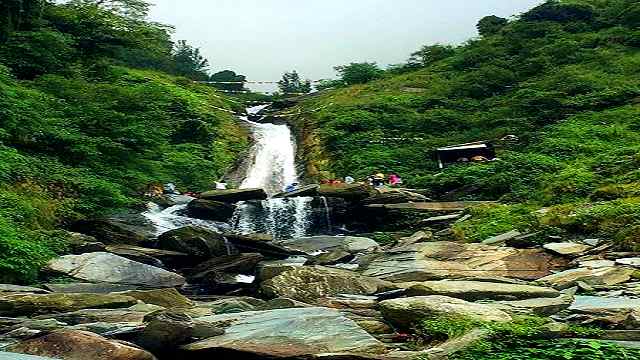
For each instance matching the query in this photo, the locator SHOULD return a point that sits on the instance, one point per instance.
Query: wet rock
(590, 276)
(567, 249)
(235, 195)
(123, 229)
(305, 191)
(285, 334)
(476, 290)
(167, 298)
(235, 264)
(315, 244)
(79, 345)
(210, 210)
(110, 268)
(26, 305)
(446, 260)
(310, 284)
(194, 241)
(406, 311)
(539, 307)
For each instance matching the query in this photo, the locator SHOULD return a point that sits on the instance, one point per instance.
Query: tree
(291, 83)
(189, 62)
(491, 25)
(228, 76)
(428, 55)
(553, 10)
(359, 73)
(33, 53)
(18, 15)
(134, 9)
(326, 84)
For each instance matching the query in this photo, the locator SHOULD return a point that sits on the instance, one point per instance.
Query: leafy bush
(491, 220)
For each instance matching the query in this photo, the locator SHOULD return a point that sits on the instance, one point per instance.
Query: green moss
(491, 220)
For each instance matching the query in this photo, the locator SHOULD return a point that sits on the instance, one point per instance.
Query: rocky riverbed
(197, 293)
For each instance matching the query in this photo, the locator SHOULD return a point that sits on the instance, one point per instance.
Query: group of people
(380, 180)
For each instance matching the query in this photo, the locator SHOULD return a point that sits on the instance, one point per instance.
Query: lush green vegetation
(562, 77)
(526, 338)
(91, 114)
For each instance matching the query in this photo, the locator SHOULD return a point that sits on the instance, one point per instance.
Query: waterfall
(327, 213)
(273, 168)
(172, 218)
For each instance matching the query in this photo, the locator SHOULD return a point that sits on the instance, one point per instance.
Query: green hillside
(562, 77)
(83, 133)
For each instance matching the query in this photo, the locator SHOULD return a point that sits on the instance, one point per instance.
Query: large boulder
(285, 334)
(89, 316)
(165, 329)
(198, 242)
(318, 244)
(79, 345)
(32, 304)
(8, 289)
(311, 284)
(405, 311)
(130, 229)
(591, 276)
(210, 210)
(88, 288)
(110, 268)
(235, 195)
(444, 260)
(480, 290)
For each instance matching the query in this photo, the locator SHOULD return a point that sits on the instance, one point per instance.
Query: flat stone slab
(608, 303)
(635, 262)
(590, 276)
(287, 333)
(567, 248)
(447, 260)
(405, 311)
(502, 237)
(110, 268)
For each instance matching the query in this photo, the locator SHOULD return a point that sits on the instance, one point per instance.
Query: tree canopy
(292, 83)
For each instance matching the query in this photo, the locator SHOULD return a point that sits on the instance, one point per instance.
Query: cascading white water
(273, 168)
(171, 218)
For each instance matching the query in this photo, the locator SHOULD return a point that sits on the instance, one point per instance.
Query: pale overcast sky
(264, 38)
